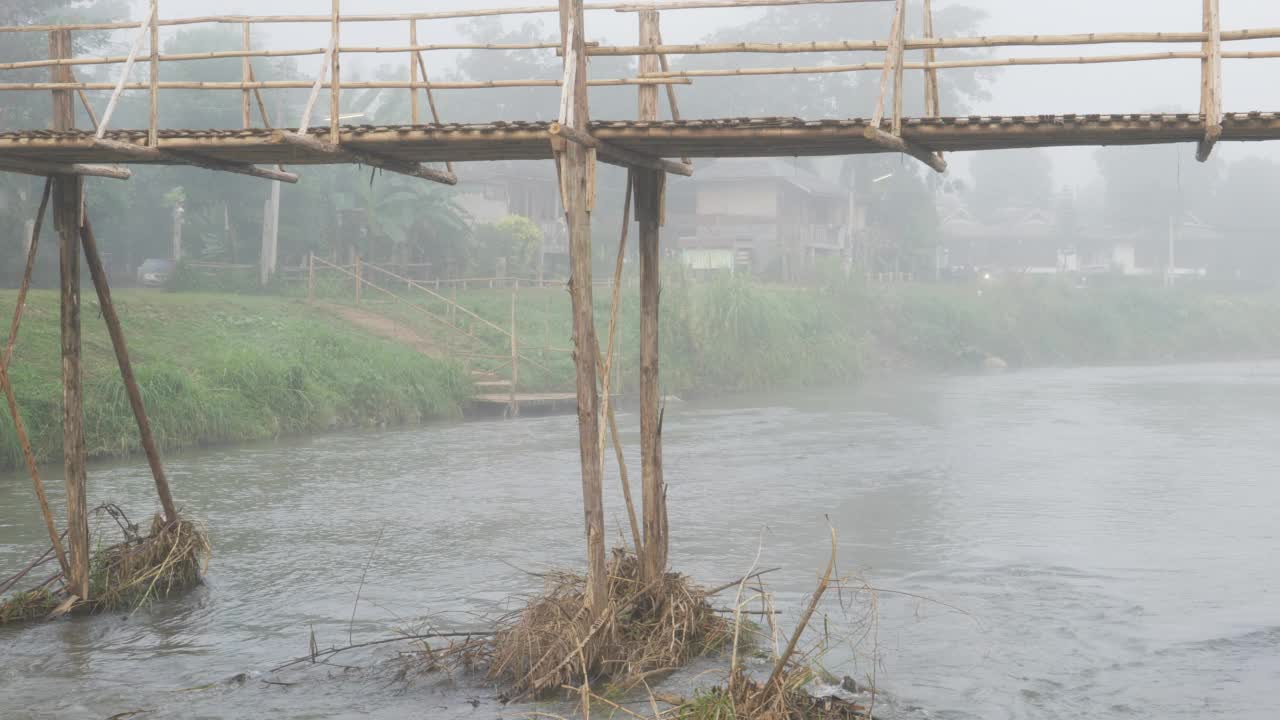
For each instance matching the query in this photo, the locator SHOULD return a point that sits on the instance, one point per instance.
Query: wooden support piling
(68, 193)
(24, 441)
(359, 279)
(650, 186)
(576, 174)
(99, 274)
(311, 277)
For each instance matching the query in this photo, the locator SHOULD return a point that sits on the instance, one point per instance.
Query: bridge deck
(670, 139)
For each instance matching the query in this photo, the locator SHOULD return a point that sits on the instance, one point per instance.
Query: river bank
(235, 368)
(218, 369)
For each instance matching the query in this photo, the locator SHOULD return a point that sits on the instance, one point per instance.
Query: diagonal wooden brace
(893, 142)
(150, 154)
(45, 169)
(348, 154)
(616, 155)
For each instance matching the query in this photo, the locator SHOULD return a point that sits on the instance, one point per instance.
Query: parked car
(155, 272)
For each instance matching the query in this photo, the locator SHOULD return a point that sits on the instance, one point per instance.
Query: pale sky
(1109, 88)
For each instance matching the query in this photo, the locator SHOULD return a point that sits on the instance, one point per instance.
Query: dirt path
(385, 327)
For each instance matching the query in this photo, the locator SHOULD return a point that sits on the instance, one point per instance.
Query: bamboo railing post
(1211, 81)
(415, 116)
(577, 189)
(311, 277)
(112, 320)
(898, 62)
(932, 102)
(335, 76)
(68, 193)
(889, 72)
(153, 129)
(246, 71)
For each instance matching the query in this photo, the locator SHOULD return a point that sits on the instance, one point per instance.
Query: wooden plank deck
(744, 137)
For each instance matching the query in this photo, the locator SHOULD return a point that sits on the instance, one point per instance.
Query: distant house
(766, 217)
(1031, 241)
(494, 190)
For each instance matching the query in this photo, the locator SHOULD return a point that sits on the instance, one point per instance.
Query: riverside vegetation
(219, 368)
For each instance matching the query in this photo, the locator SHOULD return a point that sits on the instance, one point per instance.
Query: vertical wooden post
(892, 57)
(67, 194)
(932, 102)
(899, 66)
(650, 185)
(415, 115)
(335, 75)
(311, 277)
(246, 71)
(153, 129)
(577, 190)
(515, 358)
(1211, 81)
(359, 280)
(99, 274)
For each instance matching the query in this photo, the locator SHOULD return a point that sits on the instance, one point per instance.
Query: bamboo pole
(45, 169)
(892, 57)
(353, 85)
(898, 68)
(897, 144)
(315, 87)
(153, 132)
(124, 74)
(335, 89)
(157, 155)
(68, 193)
(935, 43)
(24, 441)
(826, 46)
(359, 279)
(444, 15)
(415, 119)
(515, 356)
(932, 102)
(431, 100)
(246, 72)
(1211, 82)
(311, 277)
(671, 90)
(112, 320)
(574, 163)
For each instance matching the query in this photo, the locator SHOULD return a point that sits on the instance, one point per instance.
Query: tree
(1145, 186)
(1011, 179)
(514, 241)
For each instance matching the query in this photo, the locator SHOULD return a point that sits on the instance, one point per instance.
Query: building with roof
(768, 217)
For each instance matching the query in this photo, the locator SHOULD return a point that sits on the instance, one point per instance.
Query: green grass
(216, 369)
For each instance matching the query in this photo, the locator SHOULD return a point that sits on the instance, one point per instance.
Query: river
(1091, 543)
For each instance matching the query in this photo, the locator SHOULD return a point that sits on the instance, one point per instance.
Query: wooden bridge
(649, 147)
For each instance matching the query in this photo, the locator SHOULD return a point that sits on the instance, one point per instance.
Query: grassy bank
(734, 334)
(227, 368)
(219, 368)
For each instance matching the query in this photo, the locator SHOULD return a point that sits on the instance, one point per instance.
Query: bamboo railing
(886, 116)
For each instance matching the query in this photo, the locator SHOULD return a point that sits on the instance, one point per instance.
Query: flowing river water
(1092, 543)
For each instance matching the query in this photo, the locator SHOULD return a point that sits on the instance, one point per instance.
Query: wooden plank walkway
(740, 137)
